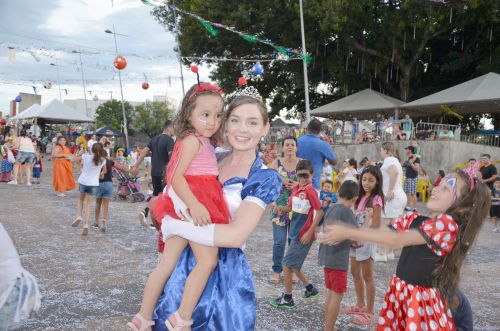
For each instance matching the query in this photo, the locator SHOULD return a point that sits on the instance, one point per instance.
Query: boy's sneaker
(310, 294)
(95, 226)
(281, 302)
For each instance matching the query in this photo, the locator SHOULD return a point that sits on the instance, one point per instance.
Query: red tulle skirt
(207, 190)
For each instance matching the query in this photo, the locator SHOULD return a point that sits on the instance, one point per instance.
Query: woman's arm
(232, 235)
(336, 233)
(56, 152)
(393, 177)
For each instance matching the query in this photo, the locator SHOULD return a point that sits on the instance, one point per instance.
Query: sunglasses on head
(303, 175)
(452, 181)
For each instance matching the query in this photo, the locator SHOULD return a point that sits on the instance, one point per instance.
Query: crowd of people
(207, 198)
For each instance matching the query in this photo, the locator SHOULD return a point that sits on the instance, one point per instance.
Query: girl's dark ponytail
(469, 212)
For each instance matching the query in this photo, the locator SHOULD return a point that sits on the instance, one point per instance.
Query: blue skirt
(228, 301)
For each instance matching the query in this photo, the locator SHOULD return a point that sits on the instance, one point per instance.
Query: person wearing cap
(312, 148)
(161, 146)
(412, 167)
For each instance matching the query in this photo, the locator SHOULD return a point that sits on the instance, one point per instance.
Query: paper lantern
(47, 85)
(145, 86)
(257, 69)
(120, 62)
(242, 81)
(19, 99)
(194, 69)
(3, 121)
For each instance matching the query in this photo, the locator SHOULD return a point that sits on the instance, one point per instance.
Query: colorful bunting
(213, 26)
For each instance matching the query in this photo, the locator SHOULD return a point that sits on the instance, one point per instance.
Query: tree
(150, 117)
(110, 114)
(406, 48)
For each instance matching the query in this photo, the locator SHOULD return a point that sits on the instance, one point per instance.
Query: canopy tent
(363, 105)
(279, 123)
(107, 131)
(476, 96)
(27, 113)
(57, 112)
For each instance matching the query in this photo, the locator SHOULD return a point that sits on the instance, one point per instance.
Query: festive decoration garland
(212, 28)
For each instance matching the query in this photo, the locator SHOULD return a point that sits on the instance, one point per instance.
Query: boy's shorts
(296, 254)
(336, 280)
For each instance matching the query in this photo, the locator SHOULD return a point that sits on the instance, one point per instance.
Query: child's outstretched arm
(199, 213)
(336, 233)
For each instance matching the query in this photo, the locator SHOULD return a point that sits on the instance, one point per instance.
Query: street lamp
(125, 129)
(58, 78)
(83, 82)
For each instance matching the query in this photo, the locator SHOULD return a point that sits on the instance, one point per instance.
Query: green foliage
(406, 48)
(110, 114)
(150, 117)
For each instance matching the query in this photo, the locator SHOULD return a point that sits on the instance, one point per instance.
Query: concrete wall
(435, 154)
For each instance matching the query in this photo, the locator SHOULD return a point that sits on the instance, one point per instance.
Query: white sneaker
(142, 219)
(12, 182)
(496, 230)
(28, 183)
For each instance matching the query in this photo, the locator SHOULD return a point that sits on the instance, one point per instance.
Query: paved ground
(95, 283)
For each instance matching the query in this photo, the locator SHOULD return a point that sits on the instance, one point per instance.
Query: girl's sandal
(352, 310)
(76, 222)
(179, 323)
(364, 319)
(145, 324)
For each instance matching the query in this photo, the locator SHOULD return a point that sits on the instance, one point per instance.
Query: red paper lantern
(145, 86)
(120, 62)
(242, 81)
(3, 121)
(194, 69)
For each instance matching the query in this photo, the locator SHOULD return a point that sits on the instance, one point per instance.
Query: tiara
(249, 91)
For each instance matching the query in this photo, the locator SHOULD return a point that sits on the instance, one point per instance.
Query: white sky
(53, 28)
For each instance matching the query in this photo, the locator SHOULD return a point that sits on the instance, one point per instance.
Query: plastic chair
(423, 185)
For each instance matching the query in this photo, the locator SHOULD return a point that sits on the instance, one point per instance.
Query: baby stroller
(126, 187)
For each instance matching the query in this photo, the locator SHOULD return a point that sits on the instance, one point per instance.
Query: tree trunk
(404, 83)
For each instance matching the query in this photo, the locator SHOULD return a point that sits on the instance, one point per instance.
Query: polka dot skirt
(410, 307)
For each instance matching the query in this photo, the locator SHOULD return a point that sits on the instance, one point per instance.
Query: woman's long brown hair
(99, 153)
(469, 212)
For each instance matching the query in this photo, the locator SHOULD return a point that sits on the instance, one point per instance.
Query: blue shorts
(104, 191)
(25, 157)
(87, 189)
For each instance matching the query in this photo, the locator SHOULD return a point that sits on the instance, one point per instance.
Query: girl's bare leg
(367, 271)
(358, 282)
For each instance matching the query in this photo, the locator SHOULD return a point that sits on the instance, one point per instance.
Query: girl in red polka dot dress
(435, 247)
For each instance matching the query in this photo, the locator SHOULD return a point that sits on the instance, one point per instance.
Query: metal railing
(431, 131)
(483, 139)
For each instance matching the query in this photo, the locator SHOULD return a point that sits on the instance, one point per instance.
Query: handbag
(10, 156)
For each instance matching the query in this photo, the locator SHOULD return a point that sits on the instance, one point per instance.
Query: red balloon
(194, 69)
(242, 81)
(120, 62)
(145, 86)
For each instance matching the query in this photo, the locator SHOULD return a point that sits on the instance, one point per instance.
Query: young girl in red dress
(435, 247)
(192, 186)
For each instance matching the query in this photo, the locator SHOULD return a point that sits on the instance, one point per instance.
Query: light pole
(306, 81)
(58, 79)
(179, 48)
(125, 129)
(83, 82)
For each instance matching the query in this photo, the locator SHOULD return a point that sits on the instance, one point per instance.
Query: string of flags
(214, 27)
